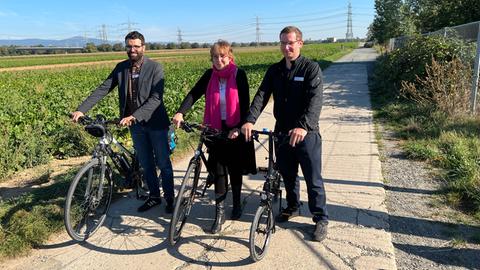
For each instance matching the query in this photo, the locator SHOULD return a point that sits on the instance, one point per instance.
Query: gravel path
(426, 234)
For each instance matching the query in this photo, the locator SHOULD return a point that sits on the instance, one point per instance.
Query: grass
(449, 143)
(27, 221)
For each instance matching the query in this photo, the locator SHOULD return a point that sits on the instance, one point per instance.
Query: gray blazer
(151, 109)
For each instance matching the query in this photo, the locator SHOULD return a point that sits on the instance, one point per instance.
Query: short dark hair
(135, 35)
(290, 29)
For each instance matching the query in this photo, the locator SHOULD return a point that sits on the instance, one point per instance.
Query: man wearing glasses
(296, 85)
(140, 85)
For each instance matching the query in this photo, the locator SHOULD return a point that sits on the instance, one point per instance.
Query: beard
(134, 57)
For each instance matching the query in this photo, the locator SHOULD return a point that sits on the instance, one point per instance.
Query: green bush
(410, 61)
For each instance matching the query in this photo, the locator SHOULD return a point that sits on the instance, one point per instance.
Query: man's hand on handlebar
(247, 131)
(76, 116)
(127, 121)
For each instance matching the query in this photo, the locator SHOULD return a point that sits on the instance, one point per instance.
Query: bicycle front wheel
(260, 232)
(184, 201)
(88, 200)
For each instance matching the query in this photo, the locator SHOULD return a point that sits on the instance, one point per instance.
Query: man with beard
(140, 85)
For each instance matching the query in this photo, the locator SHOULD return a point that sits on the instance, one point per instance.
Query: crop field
(53, 59)
(35, 104)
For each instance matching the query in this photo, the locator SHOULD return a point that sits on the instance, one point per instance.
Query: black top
(150, 110)
(297, 95)
(200, 89)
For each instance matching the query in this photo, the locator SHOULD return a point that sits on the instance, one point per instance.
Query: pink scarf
(212, 115)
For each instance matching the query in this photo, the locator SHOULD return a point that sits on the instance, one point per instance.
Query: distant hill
(77, 41)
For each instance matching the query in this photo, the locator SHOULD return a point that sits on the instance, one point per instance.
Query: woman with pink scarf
(227, 100)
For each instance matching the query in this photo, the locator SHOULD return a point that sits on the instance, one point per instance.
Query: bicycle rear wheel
(260, 232)
(184, 201)
(88, 200)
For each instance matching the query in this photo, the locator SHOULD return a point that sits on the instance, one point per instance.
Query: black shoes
(149, 203)
(169, 206)
(287, 213)
(219, 218)
(236, 213)
(320, 232)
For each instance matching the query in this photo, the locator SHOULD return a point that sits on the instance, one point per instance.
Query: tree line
(118, 47)
(396, 18)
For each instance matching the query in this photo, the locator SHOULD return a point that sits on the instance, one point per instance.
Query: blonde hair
(223, 47)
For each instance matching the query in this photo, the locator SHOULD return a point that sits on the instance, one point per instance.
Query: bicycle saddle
(95, 130)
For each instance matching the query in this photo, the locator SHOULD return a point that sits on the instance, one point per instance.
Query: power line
(179, 36)
(349, 34)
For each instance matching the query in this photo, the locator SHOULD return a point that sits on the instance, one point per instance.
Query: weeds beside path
(426, 233)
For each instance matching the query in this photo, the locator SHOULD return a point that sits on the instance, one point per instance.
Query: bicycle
(90, 193)
(190, 184)
(263, 224)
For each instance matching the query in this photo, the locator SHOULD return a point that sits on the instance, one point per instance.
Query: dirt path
(36, 177)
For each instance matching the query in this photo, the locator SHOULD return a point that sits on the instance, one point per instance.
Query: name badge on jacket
(298, 79)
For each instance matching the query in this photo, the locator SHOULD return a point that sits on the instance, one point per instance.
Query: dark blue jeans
(308, 154)
(152, 150)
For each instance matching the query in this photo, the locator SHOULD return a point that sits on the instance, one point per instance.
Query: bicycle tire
(184, 201)
(260, 232)
(84, 212)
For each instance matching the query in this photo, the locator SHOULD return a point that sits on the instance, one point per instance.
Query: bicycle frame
(271, 187)
(123, 159)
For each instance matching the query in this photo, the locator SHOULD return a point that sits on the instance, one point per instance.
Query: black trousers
(307, 154)
(223, 160)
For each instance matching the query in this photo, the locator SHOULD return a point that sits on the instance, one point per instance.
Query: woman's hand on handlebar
(177, 120)
(76, 116)
(233, 134)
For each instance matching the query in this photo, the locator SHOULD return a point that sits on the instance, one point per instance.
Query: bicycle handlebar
(189, 127)
(99, 119)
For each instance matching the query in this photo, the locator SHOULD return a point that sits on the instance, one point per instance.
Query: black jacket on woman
(237, 153)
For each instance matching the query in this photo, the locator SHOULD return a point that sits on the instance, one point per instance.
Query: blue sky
(198, 21)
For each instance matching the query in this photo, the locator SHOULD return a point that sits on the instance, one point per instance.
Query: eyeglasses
(289, 43)
(136, 47)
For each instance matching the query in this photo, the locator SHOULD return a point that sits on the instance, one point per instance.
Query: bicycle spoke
(87, 201)
(260, 232)
(184, 202)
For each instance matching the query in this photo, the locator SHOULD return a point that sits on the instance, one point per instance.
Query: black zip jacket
(297, 95)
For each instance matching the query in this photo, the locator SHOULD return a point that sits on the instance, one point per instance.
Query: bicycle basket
(95, 130)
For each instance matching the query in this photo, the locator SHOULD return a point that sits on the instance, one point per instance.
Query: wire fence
(469, 32)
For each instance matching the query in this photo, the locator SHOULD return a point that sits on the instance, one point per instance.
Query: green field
(35, 103)
(35, 127)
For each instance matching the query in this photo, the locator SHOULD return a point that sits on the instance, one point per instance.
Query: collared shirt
(132, 93)
(297, 94)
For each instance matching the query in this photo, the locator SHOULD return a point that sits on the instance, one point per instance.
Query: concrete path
(358, 231)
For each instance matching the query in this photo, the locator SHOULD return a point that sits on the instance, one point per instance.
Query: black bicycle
(90, 193)
(190, 184)
(263, 224)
